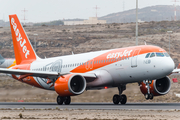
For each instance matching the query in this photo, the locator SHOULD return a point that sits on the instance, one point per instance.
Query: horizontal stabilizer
(176, 71)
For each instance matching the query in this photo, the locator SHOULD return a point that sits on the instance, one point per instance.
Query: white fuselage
(119, 70)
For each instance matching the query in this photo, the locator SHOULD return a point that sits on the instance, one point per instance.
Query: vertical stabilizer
(24, 53)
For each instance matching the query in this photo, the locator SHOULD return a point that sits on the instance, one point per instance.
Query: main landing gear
(65, 100)
(121, 97)
(148, 95)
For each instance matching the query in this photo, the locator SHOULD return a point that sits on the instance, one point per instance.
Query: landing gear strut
(148, 95)
(65, 100)
(121, 97)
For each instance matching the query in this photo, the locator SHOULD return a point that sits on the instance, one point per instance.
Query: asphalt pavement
(90, 106)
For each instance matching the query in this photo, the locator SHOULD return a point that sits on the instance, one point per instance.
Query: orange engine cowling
(157, 87)
(69, 85)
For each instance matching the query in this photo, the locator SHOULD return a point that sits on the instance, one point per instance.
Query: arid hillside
(62, 40)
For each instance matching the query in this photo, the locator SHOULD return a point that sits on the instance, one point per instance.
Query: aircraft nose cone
(169, 66)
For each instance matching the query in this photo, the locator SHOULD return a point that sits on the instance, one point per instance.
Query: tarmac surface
(91, 106)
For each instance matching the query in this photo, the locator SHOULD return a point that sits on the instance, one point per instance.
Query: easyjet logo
(19, 38)
(126, 53)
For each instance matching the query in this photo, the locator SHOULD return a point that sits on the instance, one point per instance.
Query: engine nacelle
(157, 87)
(69, 85)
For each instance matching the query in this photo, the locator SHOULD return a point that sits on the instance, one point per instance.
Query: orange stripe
(111, 56)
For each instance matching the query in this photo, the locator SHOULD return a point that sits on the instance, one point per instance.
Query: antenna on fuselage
(72, 53)
(145, 42)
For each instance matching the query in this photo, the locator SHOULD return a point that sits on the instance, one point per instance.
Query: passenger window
(152, 55)
(147, 55)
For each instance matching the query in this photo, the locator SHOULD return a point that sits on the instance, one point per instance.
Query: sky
(49, 10)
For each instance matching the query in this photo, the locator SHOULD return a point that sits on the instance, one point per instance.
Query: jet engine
(70, 85)
(157, 87)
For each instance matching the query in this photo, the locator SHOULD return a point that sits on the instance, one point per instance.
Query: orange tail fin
(23, 50)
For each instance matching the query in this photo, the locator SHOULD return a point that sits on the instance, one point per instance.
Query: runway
(91, 106)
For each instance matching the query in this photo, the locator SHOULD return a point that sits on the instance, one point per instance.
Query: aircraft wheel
(116, 99)
(123, 99)
(151, 96)
(67, 100)
(147, 96)
(60, 100)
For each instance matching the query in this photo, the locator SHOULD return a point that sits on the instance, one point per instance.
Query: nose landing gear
(148, 95)
(121, 98)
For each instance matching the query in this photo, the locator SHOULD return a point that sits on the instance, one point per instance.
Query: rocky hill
(153, 13)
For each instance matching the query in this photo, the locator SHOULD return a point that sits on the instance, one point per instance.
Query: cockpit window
(152, 55)
(166, 54)
(147, 55)
(159, 54)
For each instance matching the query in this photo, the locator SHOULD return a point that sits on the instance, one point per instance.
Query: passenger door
(134, 58)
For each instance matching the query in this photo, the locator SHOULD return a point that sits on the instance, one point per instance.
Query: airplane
(71, 75)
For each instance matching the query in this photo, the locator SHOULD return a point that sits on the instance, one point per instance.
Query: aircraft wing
(44, 74)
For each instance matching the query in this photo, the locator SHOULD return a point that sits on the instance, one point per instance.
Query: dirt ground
(14, 91)
(58, 114)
